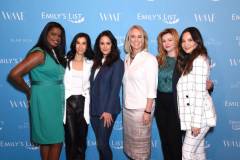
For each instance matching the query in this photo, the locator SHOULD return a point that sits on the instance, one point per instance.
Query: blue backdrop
(21, 22)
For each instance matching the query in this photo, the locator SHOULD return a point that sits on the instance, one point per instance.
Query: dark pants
(168, 125)
(76, 128)
(102, 137)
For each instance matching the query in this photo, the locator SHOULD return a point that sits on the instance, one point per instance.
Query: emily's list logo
(12, 16)
(205, 18)
(232, 104)
(165, 18)
(235, 125)
(70, 17)
(16, 144)
(10, 60)
(109, 17)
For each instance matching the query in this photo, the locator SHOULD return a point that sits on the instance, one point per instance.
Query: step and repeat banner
(21, 22)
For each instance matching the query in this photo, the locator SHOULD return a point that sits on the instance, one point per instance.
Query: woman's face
(81, 46)
(105, 45)
(136, 39)
(188, 44)
(168, 42)
(54, 37)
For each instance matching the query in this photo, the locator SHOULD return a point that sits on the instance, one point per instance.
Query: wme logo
(234, 62)
(12, 16)
(207, 18)
(18, 104)
(231, 143)
(235, 17)
(111, 17)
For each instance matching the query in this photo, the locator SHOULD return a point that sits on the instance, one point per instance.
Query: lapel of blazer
(135, 63)
(101, 71)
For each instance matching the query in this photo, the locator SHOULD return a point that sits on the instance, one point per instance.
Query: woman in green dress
(45, 65)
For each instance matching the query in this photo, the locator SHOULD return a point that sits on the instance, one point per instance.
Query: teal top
(165, 75)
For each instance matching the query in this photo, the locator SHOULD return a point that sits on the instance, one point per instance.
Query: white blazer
(140, 80)
(87, 65)
(195, 105)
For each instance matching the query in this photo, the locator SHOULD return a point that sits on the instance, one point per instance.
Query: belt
(57, 82)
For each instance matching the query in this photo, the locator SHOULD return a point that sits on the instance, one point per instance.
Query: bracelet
(147, 112)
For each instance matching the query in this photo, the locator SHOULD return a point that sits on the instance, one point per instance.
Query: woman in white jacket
(195, 106)
(77, 85)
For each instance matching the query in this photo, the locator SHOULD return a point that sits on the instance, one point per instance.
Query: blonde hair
(162, 53)
(127, 46)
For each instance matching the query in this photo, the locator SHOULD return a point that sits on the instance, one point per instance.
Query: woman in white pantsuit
(195, 106)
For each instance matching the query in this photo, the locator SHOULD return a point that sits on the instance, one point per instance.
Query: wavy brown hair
(162, 53)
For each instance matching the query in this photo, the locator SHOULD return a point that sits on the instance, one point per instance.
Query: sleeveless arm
(17, 73)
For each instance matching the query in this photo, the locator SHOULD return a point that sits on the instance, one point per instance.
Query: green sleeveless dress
(47, 102)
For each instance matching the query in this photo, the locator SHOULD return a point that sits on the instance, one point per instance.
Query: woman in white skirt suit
(139, 91)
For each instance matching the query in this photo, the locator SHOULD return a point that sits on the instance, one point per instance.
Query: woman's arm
(17, 73)
(151, 79)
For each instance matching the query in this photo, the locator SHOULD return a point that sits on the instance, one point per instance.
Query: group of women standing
(177, 79)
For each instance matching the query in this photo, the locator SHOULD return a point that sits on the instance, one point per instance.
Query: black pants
(168, 125)
(102, 137)
(76, 128)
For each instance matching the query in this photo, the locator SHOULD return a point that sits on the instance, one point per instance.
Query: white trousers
(193, 147)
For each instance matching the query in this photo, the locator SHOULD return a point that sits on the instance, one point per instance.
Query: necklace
(132, 56)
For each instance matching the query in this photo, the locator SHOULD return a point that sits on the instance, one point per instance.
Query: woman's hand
(209, 85)
(28, 95)
(195, 131)
(146, 118)
(107, 118)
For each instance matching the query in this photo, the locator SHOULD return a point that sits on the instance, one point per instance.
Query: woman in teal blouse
(166, 113)
(45, 65)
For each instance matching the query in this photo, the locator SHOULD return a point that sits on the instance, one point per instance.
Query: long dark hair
(88, 53)
(43, 43)
(114, 54)
(184, 60)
